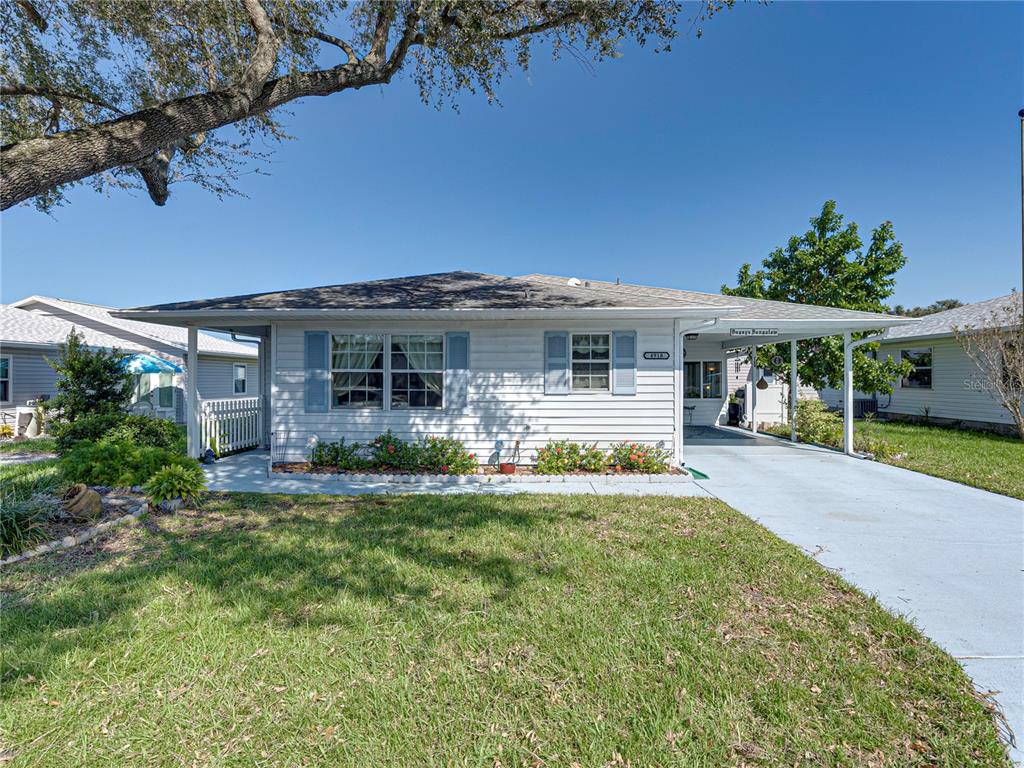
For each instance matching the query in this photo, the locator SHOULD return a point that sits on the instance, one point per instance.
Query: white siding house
(493, 360)
(32, 329)
(946, 387)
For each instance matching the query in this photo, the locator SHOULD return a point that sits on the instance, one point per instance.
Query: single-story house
(945, 386)
(32, 329)
(494, 360)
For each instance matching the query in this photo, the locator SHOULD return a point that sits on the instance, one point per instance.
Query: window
(357, 370)
(417, 371)
(239, 379)
(591, 362)
(702, 380)
(5, 379)
(921, 359)
(166, 392)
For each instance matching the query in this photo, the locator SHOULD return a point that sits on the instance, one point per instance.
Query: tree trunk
(34, 166)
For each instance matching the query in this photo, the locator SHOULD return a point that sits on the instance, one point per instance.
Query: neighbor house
(31, 331)
(497, 360)
(945, 386)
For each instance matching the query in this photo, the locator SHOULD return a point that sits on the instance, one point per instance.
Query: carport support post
(192, 392)
(848, 393)
(792, 390)
(753, 389)
(677, 391)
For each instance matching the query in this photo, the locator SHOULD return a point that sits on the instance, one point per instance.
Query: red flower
(444, 469)
(632, 457)
(472, 455)
(391, 449)
(558, 451)
(618, 467)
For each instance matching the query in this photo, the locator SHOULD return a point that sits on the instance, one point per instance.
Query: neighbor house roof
(26, 328)
(170, 335)
(477, 291)
(978, 315)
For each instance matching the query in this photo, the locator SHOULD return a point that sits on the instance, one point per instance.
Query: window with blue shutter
(624, 362)
(556, 362)
(457, 369)
(318, 377)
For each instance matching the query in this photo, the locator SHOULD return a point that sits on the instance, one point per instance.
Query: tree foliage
(828, 265)
(997, 348)
(89, 381)
(938, 306)
(109, 91)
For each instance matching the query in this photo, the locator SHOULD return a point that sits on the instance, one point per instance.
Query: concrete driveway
(948, 556)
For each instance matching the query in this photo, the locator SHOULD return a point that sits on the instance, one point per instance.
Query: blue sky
(668, 169)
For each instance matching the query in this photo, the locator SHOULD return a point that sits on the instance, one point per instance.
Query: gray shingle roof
(474, 290)
(978, 315)
(174, 336)
(22, 326)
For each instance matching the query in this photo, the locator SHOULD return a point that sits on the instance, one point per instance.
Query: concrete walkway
(10, 459)
(247, 473)
(948, 556)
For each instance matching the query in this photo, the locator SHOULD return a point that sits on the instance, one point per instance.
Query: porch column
(192, 392)
(792, 390)
(753, 389)
(677, 392)
(847, 393)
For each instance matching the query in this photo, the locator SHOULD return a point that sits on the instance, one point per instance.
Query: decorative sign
(777, 360)
(656, 355)
(753, 331)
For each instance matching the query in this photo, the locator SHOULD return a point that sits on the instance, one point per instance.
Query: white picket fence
(230, 425)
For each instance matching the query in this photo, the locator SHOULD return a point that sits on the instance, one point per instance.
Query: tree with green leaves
(89, 381)
(113, 91)
(828, 265)
(936, 306)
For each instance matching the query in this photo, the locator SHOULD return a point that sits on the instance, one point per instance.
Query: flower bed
(388, 455)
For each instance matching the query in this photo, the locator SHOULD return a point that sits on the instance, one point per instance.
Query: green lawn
(470, 630)
(35, 445)
(980, 459)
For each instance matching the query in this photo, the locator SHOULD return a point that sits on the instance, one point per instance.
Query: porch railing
(232, 424)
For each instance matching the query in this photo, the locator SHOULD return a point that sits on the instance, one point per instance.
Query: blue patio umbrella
(142, 362)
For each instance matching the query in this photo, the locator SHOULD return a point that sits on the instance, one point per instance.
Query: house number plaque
(655, 355)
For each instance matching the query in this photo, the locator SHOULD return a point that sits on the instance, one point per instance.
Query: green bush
(184, 481)
(390, 452)
(559, 457)
(91, 427)
(445, 456)
(342, 455)
(21, 524)
(815, 423)
(637, 457)
(147, 432)
(117, 464)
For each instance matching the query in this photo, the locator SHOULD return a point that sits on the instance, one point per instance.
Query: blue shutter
(624, 362)
(556, 363)
(318, 375)
(457, 369)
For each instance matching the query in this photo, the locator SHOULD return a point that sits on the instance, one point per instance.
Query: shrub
(21, 523)
(117, 464)
(89, 380)
(446, 456)
(146, 431)
(559, 457)
(344, 456)
(184, 481)
(637, 457)
(816, 424)
(91, 428)
(390, 452)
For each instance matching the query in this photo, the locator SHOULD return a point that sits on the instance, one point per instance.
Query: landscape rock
(83, 503)
(171, 505)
